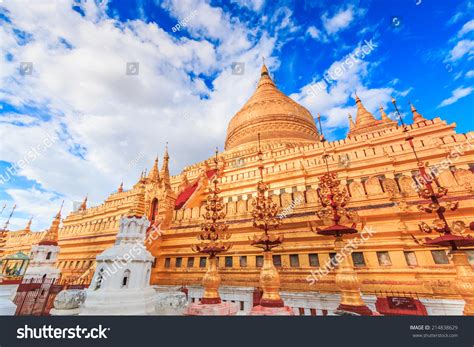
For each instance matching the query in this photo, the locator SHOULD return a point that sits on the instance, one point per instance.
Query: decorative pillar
(214, 235)
(349, 284)
(464, 283)
(266, 217)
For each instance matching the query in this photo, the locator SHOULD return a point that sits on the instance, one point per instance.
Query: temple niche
(231, 208)
(286, 200)
(276, 199)
(373, 186)
(187, 214)
(312, 196)
(241, 206)
(390, 186)
(446, 178)
(407, 185)
(464, 177)
(298, 197)
(357, 190)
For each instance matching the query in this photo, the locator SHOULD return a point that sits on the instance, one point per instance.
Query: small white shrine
(45, 254)
(121, 282)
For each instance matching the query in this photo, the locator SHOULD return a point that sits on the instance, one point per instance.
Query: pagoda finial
(416, 116)
(363, 117)
(351, 123)
(28, 226)
(9, 217)
(83, 206)
(154, 175)
(265, 79)
(50, 238)
(165, 168)
(385, 118)
(120, 188)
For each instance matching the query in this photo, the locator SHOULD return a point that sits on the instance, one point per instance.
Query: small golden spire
(351, 123)
(363, 117)
(83, 206)
(385, 118)
(154, 175)
(50, 238)
(120, 188)
(28, 226)
(416, 116)
(165, 172)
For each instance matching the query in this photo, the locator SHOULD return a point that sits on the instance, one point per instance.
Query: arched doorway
(153, 211)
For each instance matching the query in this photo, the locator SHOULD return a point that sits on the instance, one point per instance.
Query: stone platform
(222, 309)
(272, 311)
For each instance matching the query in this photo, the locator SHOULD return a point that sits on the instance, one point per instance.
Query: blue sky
(108, 126)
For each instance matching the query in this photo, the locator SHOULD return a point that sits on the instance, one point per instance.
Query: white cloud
(341, 20)
(105, 118)
(314, 32)
(470, 74)
(462, 48)
(255, 5)
(456, 94)
(334, 99)
(468, 27)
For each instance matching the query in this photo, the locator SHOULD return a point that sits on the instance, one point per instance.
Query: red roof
(447, 240)
(188, 191)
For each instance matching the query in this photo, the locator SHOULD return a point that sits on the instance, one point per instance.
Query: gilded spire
(28, 226)
(363, 117)
(120, 188)
(5, 227)
(385, 118)
(351, 123)
(154, 175)
(165, 169)
(265, 78)
(416, 116)
(265, 213)
(50, 238)
(83, 206)
(213, 239)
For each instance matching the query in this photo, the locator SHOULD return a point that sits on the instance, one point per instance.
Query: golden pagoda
(378, 176)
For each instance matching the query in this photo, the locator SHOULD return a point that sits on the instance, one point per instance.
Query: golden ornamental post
(214, 235)
(265, 217)
(333, 212)
(454, 236)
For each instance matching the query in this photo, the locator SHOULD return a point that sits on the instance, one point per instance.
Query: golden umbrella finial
(265, 215)
(214, 238)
